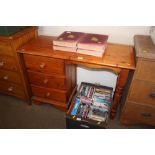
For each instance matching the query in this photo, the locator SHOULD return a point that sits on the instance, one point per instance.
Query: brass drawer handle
(152, 95)
(45, 81)
(10, 89)
(47, 94)
(42, 65)
(2, 63)
(146, 114)
(5, 77)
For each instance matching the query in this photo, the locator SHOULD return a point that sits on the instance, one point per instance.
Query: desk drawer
(50, 81)
(143, 92)
(6, 49)
(137, 113)
(53, 94)
(8, 63)
(44, 64)
(11, 89)
(146, 71)
(10, 76)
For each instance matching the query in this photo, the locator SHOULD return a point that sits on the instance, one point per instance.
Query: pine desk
(118, 58)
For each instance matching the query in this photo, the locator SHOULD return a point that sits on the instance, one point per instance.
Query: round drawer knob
(47, 94)
(10, 89)
(5, 77)
(2, 63)
(42, 65)
(152, 95)
(45, 81)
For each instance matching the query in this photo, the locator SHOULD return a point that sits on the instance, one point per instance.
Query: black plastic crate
(77, 122)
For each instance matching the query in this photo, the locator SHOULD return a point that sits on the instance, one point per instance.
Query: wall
(117, 34)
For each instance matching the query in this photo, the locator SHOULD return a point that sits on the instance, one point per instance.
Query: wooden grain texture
(47, 80)
(144, 46)
(117, 58)
(53, 87)
(52, 80)
(10, 76)
(138, 114)
(70, 72)
(24, 32)
(145, 70)
(121, 82)
(44, 64)
(94, 66)
(139, 107)
(9, 61)
(12, 89)
(141, 92)
(49, 93)
(6, 49)
(116, 55)
(60, 105)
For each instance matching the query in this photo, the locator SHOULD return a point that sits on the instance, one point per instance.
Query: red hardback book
(96, 42)
(91, 52)
(68, 39)
(62, 48)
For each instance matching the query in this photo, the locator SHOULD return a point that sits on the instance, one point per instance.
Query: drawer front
(12, 89)
(8, 63)
(137, 113)
(44, 64)
(6, 49)
(46, 80)
(10, 76)
(142, 92)
(47, 93)
(146, 70)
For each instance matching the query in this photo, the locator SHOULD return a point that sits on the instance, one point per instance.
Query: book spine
(66, 49)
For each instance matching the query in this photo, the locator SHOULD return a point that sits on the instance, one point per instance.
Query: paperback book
(63, 48)
(91, 52)
(68, 39)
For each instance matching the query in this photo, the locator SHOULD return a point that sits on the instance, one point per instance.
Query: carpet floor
(17, 114)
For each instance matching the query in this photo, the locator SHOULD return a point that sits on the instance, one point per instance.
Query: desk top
(116, 55)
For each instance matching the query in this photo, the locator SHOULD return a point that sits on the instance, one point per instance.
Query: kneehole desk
(118, 58)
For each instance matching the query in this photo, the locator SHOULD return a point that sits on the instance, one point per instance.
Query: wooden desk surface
(119, 58)
(116, 55)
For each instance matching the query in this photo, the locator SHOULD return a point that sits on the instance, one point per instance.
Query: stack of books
(83, 43)
(93, 44)
(67, 41)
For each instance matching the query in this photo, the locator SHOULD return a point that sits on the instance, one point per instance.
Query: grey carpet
(17, 114)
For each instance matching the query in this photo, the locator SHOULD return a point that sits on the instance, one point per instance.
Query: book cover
(68, 39)
(91, 52)
(98, 114)
(76, 106)
(96, 42)
(66, 49)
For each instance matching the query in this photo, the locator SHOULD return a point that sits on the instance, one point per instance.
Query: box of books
(90, 108)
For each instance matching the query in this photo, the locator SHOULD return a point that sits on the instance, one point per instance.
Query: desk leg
(121, 81)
